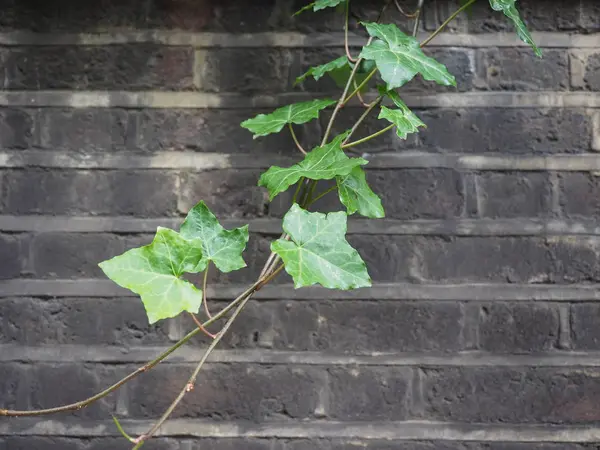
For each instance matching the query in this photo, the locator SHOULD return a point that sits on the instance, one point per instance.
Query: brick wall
(482, 330)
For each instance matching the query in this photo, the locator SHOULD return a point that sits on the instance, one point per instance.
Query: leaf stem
(417, 16)
(323, 194)
(204, 283)
(199, 325)
(363, 83)
(296, 139)
(360, 120)
(368, 138)
(446, 22)
(348, 55)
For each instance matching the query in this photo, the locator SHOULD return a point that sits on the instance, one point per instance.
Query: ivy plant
(313, 248)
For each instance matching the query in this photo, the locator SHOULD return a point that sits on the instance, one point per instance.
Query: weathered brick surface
(585, 333)
(17, 128)
(511, 395)
(132, 67)
(580, 194)
(13, 255)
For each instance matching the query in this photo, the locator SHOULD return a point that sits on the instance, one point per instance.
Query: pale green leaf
(318, 252)
(153, 272)
(297, 113)
(510, 10)
(322, 163)
(356, 195)
(222, 247)
(317, 72)
(405, 120)
(320, 4)
(399, 57)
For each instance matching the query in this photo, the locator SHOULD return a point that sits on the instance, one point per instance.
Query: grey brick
(85, 129)
(357, 444)
(130, 67)
(147, 193)
(246, 71)
(389, 258)
(518, 69)
(580, 194)
(514, 194)
(228, 193)
(64, 255)
(512, 395)
(210, 130)
(585, 334)
(514, 131)
(515, 328)
(17, 128)
(13, 255)
(229, 392)
(590, 67)
(81, 321)
(369, 393)
(13, 384)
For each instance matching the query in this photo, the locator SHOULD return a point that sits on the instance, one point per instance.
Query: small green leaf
(322, 163)
(357, 196)
(320, 4)
(317, 72)
(405, 120)
(340, 76)
(318, 251)
(297, 113)
(399, 57)
(153, 272)
(223, 247)
(510, 10)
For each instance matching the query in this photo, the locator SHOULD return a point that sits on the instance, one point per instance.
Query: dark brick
(17, 129)
(576, 259)
(515, 131)
(228, 193)
(585, 333)
(85, 129)
(30, 321)
(228, 392)
(514, 194)
(580, 194)
(357, 444)
(148, 193)
(591, 66)
(518, 69)
(13, 385)
(515, 328)
(64, 255)
(369, 393)
(131, 67)
(210, 130)
(13, 255)
(512, 395)
(247, 71)
(388, 258)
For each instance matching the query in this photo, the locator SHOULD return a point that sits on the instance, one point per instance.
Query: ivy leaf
(318, 251)
(405, 120)
(356, 195)
(223, 247)
(320, 4)
(317, 72)
(510, 10)
(322, 163)
(153, 272)
(297, 113)
(399, 57)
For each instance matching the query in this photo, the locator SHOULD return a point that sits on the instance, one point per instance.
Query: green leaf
(322, 163)
(320, 4)
(318, 251)
(340, 76)
(317, 72)
(405, 120)
(153, 272)
(357, 196)
(297, 113)
(223, 247)
(510, 10)
(399, 57)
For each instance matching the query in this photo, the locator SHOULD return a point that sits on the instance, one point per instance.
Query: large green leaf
(405, 120)
(357, 196)
(223, 247)
(318, 251)
(510, 10)
(399, 57)
(317, 72)
(320, 4)
(322, 163)
(297, 113)
(153, 272)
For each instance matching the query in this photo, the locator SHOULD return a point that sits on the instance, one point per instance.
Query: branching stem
(296, 141)
(369, 137)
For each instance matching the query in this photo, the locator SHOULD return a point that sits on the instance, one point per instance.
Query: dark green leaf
(297, 113)
(318, 71)
(405, 120)
(399, 57)
(153, 272)
(322, 163)
(320, 4)
(510, 10)
(318, 252)
(223, 247)
(357, 196)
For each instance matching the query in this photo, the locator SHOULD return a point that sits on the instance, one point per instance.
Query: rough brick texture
(117, 114)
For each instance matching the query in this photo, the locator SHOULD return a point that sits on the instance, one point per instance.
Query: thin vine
(313, 248)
